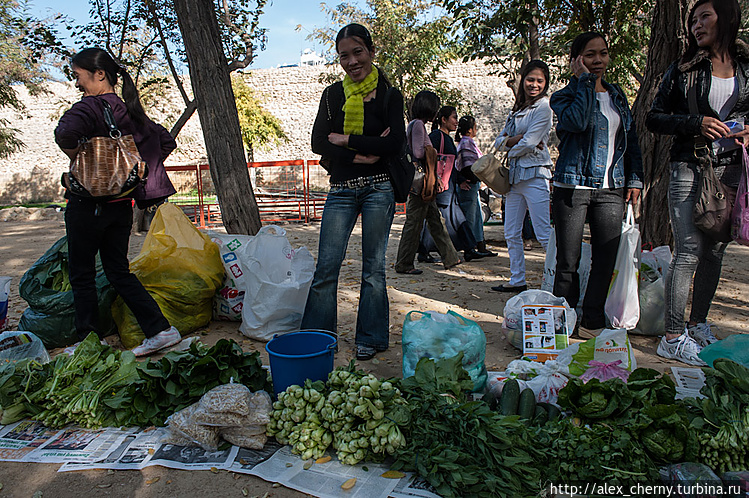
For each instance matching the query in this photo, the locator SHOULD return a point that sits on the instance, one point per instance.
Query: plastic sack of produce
(276, 284)
(431, 334)
(183, 430)
(738, 480)
(229, 300)
(605, 371)
(513, 321)
(734, 347)
(4, 293)
(550, 267)
(609, 346)
(180, 267)
(622, 306)
(16, 346)
(550, 379)
(653, 268)
(46, 288)
(687, 475)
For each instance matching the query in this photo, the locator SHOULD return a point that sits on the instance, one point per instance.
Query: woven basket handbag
(106, 167)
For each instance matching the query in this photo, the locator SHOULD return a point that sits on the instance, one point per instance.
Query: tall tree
(218, 114)
(667, 42)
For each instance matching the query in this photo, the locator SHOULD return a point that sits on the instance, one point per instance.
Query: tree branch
(167, 54)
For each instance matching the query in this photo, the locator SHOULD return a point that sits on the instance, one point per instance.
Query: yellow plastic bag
(181, 268)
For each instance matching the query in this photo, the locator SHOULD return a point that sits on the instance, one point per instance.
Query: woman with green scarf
(359, 125)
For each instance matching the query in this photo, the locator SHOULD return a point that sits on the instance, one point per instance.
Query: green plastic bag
(435, 335)
(51, 312)
(181, 268)
(734, 347)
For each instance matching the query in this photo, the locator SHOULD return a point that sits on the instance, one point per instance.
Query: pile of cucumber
(523, 404)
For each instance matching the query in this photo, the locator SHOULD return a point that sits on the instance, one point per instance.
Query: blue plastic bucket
(298, 356)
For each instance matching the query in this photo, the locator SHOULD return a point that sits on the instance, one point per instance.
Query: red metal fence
(292, 190)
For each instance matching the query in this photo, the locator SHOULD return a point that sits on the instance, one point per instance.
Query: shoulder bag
(740, 214)
(714, 204)
(493, 171)
(401, 167)
(445, 164)
(106, 167)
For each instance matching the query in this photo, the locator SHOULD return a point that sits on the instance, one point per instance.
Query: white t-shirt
(723, 96)
(615, 121)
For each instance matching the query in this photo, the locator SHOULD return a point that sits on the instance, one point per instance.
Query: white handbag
(492, 169)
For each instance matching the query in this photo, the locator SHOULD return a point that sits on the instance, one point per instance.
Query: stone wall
(291, 94)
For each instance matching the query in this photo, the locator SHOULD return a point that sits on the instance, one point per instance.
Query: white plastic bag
(16, 346)
(609, 346)
(550, 268)
(622, 306)
(653, 267)
(513, 319)
(276, 281)
(549, 381)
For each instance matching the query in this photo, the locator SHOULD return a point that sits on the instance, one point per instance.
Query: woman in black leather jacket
(715, 66)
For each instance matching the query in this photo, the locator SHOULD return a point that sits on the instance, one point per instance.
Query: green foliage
(413, 42)
(259, 127)
(25, 44)
(500, 33)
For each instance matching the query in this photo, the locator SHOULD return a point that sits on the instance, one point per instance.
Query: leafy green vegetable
(596, 399)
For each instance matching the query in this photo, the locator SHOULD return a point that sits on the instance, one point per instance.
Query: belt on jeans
(362, 181)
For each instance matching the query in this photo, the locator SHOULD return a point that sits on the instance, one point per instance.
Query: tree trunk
(534, 50)
(667, 42)
(218, 115)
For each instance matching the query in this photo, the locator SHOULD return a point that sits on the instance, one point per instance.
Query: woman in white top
(525, 137)
(717, 63)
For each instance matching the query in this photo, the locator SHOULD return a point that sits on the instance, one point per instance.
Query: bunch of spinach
(18, 381)
(595, 399)
(462, 448)
(179, 379)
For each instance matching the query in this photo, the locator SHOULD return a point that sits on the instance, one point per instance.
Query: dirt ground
(465, 290)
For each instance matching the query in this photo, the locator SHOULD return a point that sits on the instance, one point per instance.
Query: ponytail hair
(93, 59)
(444, 112)
(464, 126)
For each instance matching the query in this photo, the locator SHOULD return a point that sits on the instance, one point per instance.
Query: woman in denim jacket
(720, 64)
(526, 138)
(599, 169)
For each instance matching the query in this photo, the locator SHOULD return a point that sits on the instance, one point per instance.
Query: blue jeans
(377, 207)
(605, 210)
(469, 204)
(696, 255)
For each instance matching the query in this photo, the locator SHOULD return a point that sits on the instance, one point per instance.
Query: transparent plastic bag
(16, 346)
(182, 426)
(252, 437)
(234, 398)
(431, 334)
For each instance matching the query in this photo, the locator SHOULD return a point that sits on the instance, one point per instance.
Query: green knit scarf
(353, 108)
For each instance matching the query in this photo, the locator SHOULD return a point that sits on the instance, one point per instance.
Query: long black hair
(581, 40)
(93, 59)
(729, 21)
(445, 112)
(464, 126)
(521, 100)
(425, 106)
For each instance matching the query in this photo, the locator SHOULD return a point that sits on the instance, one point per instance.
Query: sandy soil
(464, 290)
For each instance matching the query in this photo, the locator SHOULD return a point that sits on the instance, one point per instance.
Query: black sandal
(365, 352)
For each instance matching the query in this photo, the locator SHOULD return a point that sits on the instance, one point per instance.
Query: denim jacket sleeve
(538, 129)
(662, 117)
(575, 104)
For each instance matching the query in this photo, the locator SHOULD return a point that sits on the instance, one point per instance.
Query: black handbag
(401, 167)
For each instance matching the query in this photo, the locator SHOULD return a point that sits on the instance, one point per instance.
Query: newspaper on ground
(143, 448)
(323, 480)
(689, 381)
(31, 441)
(414, 486)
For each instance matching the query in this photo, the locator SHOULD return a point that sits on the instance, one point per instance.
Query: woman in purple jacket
(104, 226)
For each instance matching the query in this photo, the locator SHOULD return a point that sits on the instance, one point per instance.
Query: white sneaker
(702, 334)
(683, 349)
(163, 339)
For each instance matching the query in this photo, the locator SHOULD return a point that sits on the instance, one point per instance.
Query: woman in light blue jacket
(525, 137)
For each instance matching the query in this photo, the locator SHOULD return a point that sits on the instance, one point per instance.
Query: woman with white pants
(525, 137)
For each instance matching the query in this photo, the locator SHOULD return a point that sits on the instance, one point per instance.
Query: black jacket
(377, 117)
(669, 114)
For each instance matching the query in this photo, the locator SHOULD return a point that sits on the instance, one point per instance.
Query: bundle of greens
(461, 447)
(18, 380)
(595, 399)
(180, 378)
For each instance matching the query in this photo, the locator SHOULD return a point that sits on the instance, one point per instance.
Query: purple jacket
(86, 119)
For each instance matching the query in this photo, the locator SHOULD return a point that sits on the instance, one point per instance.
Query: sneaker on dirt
(163, 339)
(702, 334)
(683, 349)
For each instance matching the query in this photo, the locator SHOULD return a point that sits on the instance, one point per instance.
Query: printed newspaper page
(78, 445)
(689, 381)
(19, 439)
(414, 486)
